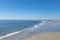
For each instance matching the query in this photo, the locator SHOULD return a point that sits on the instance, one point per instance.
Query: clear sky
(29, 9)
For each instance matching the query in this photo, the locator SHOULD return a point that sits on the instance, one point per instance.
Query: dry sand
(43, 36)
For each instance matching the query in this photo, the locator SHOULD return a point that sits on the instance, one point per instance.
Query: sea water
(9, 26)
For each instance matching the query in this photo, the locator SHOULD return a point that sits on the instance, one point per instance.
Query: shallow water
(50, 27)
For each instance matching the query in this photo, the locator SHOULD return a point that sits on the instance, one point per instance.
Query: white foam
(38, 25)
(10, 34)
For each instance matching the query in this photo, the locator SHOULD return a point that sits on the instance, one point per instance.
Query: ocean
(16, 29)
(10, 26)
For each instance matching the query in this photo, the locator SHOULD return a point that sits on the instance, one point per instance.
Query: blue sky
(29, 9)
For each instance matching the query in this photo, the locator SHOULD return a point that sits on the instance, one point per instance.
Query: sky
(29, 9)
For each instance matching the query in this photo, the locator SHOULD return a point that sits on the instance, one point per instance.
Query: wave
(38, 25)
(26, 30)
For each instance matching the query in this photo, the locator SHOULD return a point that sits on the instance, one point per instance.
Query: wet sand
(43, 36)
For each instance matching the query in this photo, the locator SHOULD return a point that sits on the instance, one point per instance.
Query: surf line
(39, 24)
(10, 34)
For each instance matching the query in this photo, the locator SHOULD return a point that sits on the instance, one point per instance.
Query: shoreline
(20, 33)
(10, 34)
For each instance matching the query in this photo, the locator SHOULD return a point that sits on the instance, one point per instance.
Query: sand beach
(43, 36)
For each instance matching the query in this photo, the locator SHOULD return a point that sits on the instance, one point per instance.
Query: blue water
(9, 26)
